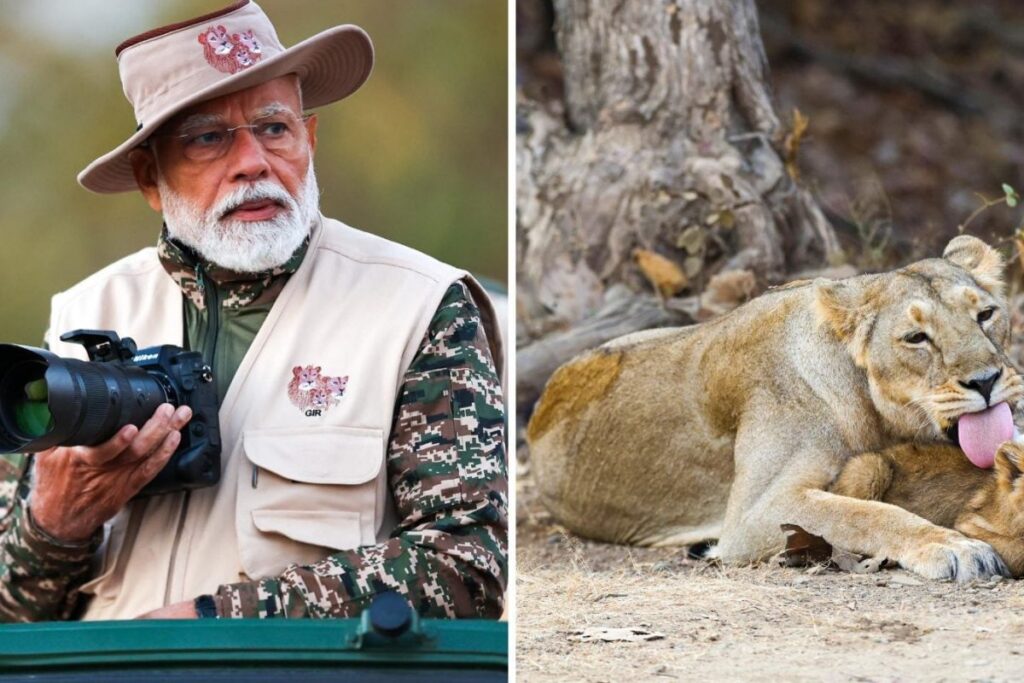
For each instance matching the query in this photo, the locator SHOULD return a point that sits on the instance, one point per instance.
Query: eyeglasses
(278, 133)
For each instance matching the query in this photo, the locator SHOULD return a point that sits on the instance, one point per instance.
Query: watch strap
(206, 607)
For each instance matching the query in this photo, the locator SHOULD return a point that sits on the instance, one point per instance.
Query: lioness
(938, 483)
(730, 428)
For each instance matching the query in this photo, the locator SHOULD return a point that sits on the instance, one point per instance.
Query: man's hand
(78, 488)
(179, 610)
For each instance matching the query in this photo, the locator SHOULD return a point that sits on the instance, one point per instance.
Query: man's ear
(1008, 464)
(980, 260)
(311, 124)
(842, 306)
(144, 169)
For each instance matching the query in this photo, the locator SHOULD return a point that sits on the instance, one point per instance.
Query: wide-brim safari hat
(173, 67)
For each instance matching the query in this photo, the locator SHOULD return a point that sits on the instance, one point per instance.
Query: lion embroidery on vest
(313, 392)
(229, 54)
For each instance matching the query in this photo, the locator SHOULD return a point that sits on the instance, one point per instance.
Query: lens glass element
(31, 412)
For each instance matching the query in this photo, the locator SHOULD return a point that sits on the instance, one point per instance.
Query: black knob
(390, 614)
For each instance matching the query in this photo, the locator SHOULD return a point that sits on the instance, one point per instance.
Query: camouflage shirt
(446, 466)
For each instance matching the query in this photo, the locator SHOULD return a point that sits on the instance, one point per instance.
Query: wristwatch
(206, 608)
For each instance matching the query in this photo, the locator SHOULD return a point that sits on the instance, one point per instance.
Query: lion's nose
(983, 385)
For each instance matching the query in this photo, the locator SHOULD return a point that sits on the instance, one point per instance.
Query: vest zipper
(212, 298)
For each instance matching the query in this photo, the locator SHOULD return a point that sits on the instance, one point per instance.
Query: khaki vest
(294, 487)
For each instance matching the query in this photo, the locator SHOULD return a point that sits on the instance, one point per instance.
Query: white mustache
(260, 191)
(243, 246)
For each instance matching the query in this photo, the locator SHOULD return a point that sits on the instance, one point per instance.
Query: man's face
(248, 201)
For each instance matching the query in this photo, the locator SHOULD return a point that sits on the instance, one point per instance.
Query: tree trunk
(666, 141)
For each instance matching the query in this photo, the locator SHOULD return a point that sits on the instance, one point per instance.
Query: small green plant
(1014, 241)
(1010, 197)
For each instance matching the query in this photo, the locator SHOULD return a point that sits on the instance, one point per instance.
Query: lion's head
(930, 336)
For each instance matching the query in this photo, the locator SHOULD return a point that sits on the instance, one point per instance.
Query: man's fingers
(152, 433)
(137, 443)
(109, 449)
(181, 417)
(155, 462)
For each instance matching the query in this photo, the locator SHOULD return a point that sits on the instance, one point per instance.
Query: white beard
(243, 246)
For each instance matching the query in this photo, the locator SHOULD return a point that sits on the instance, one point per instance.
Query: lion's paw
(958, 559)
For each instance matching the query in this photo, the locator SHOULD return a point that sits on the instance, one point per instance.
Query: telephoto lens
(47, 401)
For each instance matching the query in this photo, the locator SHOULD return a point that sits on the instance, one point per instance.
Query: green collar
(189, 270)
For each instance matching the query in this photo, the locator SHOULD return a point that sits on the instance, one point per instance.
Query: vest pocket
(305, 493)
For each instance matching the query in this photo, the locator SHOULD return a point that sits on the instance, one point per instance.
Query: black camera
(48, 401)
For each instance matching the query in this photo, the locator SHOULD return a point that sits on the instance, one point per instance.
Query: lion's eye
(986, 314)
(915, 338)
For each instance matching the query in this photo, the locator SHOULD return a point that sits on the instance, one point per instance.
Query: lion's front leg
(763, 498)
(883, 530)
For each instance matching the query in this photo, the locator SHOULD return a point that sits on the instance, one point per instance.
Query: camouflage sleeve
(39, 576)
(447, 471)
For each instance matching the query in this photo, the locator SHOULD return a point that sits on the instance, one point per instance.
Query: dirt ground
(755, 623)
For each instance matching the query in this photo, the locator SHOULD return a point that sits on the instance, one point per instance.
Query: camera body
(188, 380)
(48, 401)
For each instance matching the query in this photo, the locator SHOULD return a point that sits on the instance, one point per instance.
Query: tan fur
(572, 391)
(938, 483)
(730, 428)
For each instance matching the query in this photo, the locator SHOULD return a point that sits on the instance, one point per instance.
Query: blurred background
(418, 155)
(914, 108)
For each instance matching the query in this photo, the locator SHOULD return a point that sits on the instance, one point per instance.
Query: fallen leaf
(691, 239)
(664, 275)
(693, 265)
(857, 564)
(1018, 239)
(614, 635)
(727, 290)
(791, 146)
(803, 548)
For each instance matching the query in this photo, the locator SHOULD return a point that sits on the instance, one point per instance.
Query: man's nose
(247, 158)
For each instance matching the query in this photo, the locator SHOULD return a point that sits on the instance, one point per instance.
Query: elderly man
(360, 411)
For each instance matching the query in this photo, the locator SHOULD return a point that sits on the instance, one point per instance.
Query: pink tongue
(981, 433)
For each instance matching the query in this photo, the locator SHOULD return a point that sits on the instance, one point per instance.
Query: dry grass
(753, 623)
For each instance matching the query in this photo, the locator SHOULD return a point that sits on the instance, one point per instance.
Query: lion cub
(937, 482)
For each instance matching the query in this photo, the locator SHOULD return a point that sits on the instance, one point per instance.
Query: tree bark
(666, 140)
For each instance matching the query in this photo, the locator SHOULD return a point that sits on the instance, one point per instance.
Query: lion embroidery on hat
(311, 390)
(230, 54)
(248, 40)
(244, 58)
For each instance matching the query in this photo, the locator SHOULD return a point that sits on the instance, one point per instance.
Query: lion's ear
(980, 260)
(842, 306)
